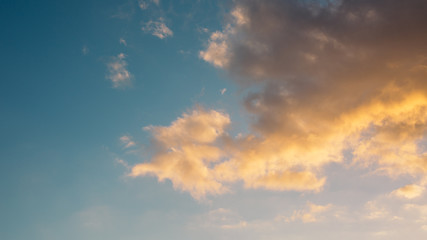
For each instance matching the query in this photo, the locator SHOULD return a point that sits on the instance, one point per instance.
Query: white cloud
(217, 51)
(118, 73)
(158, 29)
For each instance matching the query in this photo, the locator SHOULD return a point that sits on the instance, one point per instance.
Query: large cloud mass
(335, 77)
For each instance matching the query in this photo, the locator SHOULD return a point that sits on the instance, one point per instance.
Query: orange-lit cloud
(336, 84)
(409, 191)
(184, 151)
(197, 155)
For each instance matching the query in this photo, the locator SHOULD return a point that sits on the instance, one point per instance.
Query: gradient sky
(244, 119)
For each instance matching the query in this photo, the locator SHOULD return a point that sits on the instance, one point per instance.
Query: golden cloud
(342, 77)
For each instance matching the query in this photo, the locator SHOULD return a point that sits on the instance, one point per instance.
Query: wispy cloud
(224, 219)
(409, 191)
(98, 218)
(202, 30)
(125, 11)
(158, 29)
(183, 52)
(85, 50)
(122, 162)
(308, 215)
(123, 41)
(127, 141)
(143, 4)
(118, 73)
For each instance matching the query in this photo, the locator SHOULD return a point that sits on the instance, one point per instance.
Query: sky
(228, 119)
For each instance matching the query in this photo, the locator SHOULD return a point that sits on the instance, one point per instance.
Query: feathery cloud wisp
(127, 141)
(123, 41)
(118, 73)
(85, 50)
(158, 29)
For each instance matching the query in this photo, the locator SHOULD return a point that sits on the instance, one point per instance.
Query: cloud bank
(339, 81)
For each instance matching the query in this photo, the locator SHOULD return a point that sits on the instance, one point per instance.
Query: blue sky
(212, 120)
(62, 118)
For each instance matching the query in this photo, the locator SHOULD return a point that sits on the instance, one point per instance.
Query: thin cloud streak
(127, 141)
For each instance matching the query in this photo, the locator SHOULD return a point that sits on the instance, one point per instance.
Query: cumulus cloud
(184, 151)
(338, 81)
(336, 76)
(198, 156)
(157, 28)
(118, 73)
(217, 51)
